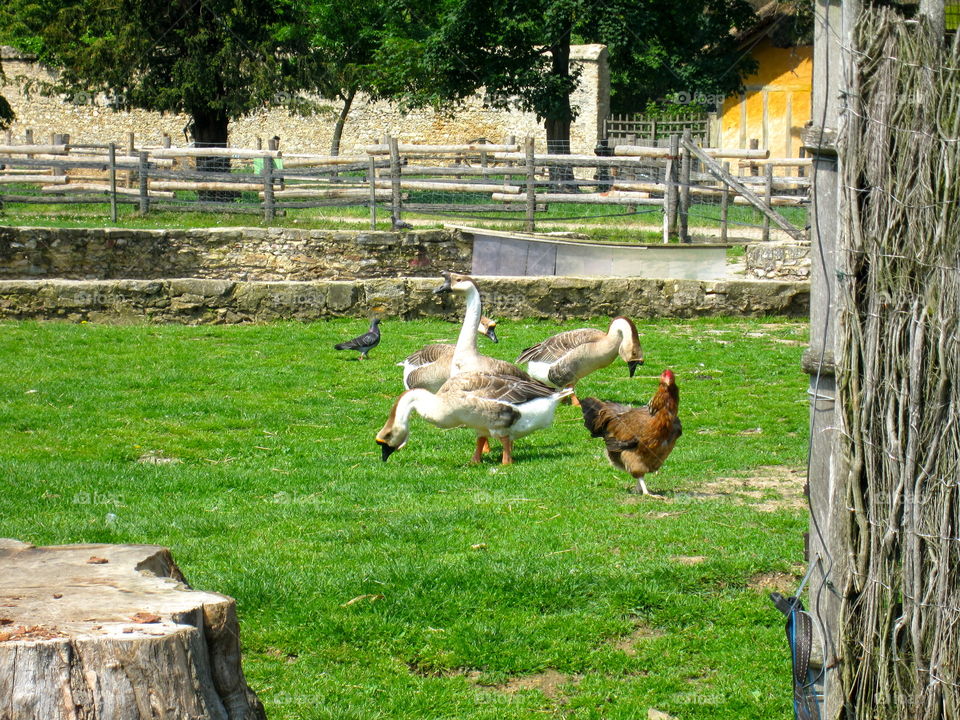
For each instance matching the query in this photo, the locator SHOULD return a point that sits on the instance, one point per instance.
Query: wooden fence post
(768, 196)
(685, 187)
(724, 205)
(754, 145)
(113, 182)
(268, 203)
(395, 199)
(372, 177)
(131, 151)
(531, 185)
(144, 188)
(670, 196)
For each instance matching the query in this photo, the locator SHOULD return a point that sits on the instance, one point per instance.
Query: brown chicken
(637, 440)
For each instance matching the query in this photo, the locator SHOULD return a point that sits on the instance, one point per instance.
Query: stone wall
(198, 301)
(778, 260)
(229, 253)
(87, 120)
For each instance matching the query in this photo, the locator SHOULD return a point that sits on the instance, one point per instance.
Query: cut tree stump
(104, 632)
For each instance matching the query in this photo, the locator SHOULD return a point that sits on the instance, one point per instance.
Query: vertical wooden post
(395, 199)
(685, 189)
(268, 203)
(144, 188)
(768, 196)
(132, 152)
(165, 140)
(113, 182)
(724, 206)
(531, 185)
(670, 196)
(833, 31)
(372, 177)
(28, 137)
(754, 145)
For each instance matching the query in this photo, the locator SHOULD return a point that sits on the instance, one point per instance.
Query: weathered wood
(768, 198)
(717, 171)
(182, 152)
(112, 156)
(671, 176)
(724, 206)
(410, 149)
(142, 169)
(462, 170)
(267, 193)
(358, 192)
(531, 194)
(96, 187)
(442, 186)
(114, 631)
(607, 198)
(396, 203)
(33, 149)
(778, 162)
(22, 179)
(372, 181)
(208, 186)
(684, 206)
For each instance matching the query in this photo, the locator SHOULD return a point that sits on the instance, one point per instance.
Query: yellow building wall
(776, 104)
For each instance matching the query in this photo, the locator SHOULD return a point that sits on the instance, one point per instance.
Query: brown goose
(563, 359)
(429, 367)
(498, 406)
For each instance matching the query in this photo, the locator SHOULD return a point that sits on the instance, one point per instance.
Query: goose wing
(556, 347)
(429, 354)
(506, 389)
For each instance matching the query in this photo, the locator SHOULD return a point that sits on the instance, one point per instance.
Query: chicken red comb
(667, 376)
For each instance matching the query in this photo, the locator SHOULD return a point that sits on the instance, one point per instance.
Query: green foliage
(249, 451)
(214, 60)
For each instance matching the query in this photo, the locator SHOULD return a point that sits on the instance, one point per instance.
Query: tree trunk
(341, 121)
(114, 631)
(559, 119)
(208, 128)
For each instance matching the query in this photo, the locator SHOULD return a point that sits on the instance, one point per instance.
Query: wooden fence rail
(487, 177)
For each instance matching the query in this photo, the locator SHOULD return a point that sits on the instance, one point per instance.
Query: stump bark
(105, 632)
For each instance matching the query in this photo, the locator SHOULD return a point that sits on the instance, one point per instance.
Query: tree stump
(104, 632)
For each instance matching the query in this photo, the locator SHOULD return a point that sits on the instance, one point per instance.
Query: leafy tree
(214, 60)
(519, 51)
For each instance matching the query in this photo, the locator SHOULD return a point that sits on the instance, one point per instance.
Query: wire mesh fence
(665, 187)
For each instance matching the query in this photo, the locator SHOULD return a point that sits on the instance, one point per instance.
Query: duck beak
(492, 334)
(385, 450)
(633, 366)
(446, 285)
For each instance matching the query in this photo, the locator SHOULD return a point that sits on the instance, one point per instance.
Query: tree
(214, 60)
(519, 51)
(341, 60)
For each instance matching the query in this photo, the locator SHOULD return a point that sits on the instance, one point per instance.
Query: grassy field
(542, 589)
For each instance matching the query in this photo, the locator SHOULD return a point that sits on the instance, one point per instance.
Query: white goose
(429, 367)
(466, 358)
(563, 359)
(498, 406)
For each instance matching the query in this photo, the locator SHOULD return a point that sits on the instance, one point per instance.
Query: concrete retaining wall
(198, 301)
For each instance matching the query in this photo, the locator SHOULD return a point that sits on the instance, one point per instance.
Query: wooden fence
(454, 180)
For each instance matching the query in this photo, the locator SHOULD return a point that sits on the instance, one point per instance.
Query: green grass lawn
(542, 589)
